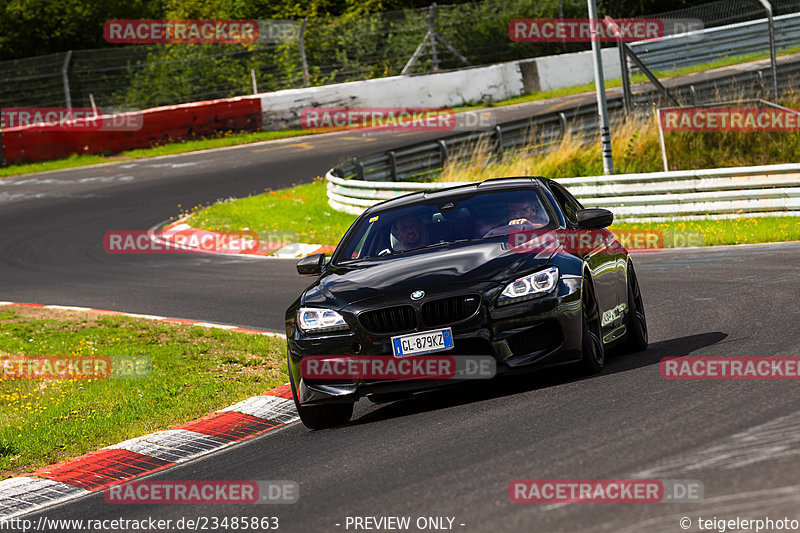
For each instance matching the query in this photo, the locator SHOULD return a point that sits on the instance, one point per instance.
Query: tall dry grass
(635, 148)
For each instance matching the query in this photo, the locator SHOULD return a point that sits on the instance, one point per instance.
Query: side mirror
(311, 265)
(595, 218)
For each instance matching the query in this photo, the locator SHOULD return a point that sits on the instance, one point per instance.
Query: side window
(359, 249)
(569, 205)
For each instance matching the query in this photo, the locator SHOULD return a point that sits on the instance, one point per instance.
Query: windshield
(452, 219)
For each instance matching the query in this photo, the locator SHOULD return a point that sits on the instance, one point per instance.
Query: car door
(606, 265)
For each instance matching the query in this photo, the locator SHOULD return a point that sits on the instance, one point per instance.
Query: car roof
(493, 184)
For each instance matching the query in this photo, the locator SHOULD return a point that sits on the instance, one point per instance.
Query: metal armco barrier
(652, 197)
(417, 161)
(711, 44)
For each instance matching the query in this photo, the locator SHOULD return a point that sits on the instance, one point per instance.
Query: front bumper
(522, 336)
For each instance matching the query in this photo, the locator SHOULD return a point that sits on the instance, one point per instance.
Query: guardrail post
(761, 86)
(302, 44)
(772, 57)
(499, 134)
(392, 164)
(646, 71)
(442, 150)
(627, 99)
(429, 22)
(253, 79)
(694, 94)
(562, 119)
(65, 80)
(359, 168)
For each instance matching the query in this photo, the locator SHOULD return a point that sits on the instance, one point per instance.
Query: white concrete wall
(446, 89)
(573, 70)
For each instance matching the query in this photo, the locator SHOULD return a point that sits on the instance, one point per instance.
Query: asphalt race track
(53, 225)
(450, 454)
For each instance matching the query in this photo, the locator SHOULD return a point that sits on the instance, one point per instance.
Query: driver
(409, 232)
(522, 215)
(521, 212)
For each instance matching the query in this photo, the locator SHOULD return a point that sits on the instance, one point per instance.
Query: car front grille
(436, 313)
(448, 310)
(389, 320)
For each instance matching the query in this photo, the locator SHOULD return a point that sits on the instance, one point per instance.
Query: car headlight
(535, 284)
(311, 320)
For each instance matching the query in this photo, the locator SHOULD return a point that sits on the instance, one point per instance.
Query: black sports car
(441, 272)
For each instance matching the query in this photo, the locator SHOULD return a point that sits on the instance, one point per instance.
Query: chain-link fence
(336, 49)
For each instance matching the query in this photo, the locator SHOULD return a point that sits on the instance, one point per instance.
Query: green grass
(218, 141)
(297, 214)
(745, 230)
(304, 209)
(194, 371)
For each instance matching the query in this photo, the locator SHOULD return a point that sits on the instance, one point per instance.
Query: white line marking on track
(67, 308)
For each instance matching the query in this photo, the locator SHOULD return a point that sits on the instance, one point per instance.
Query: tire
(593, 354)
(636, 323)
(321, 416)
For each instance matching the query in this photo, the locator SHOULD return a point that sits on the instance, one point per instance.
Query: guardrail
(646, 197)
(703, 46)
(40, 142)
(417, 161)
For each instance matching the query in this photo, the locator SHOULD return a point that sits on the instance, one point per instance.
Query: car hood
(434, 268)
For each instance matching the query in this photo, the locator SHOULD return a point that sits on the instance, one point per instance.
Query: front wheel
(321, 416)
(637, 322)
(592, 350)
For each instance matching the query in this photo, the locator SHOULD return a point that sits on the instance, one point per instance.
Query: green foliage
(176, 73)
(37, 27)
(345, 40)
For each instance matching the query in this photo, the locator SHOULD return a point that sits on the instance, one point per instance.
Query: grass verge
(305, 211)
(194, 371)
(744, 230)
(180, 147)
(297, 214)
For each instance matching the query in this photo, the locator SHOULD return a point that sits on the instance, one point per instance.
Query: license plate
(437, 340)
